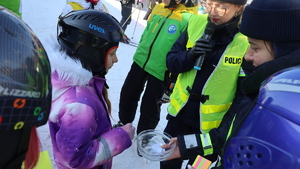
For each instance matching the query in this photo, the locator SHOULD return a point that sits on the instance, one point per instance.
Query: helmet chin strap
(102, 70)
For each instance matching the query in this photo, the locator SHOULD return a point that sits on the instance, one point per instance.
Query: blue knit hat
(236, 2)
(272, 20)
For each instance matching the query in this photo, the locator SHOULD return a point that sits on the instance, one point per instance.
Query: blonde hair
(108, 103)
(241, 13)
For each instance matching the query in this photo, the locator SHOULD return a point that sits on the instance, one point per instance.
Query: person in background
(126, 8)
(272, 31)
(167, 21)
(204, 93)
(80, 127)
(83, 4)
(151, 6)
(25, 92)
(15, 6)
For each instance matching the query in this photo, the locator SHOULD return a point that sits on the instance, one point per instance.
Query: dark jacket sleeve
(178, 58)
(241, 109)
(217, 135)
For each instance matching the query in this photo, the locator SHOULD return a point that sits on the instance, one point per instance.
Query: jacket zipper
(149, 53)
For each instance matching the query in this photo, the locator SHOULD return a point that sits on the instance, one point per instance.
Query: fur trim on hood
(68, 69)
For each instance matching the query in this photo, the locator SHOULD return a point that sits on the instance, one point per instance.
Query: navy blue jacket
(179, 60)
(250, 85)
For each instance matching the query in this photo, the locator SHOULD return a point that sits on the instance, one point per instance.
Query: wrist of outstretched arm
(195, 144)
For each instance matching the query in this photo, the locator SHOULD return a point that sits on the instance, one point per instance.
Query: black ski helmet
(25, 85)
(188, 3)
(87, 35)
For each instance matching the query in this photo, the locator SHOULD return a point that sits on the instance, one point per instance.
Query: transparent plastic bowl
(149, 144)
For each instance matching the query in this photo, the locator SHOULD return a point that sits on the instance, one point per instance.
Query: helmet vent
(88, 16)
(97, 18)
(248, 156)
(77, 17)
(81, 16)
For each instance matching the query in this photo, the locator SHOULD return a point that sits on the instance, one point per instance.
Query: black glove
(165, 98)
(169, 83)
(201, 47)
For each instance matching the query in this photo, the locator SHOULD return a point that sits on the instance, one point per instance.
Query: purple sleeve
(77, 142)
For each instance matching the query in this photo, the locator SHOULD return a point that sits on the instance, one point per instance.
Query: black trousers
(130, 95)
(176, 126)
(125, 12)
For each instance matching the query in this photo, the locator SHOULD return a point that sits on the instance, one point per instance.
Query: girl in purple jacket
(80, 127)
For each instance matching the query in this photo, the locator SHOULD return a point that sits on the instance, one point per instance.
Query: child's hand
(129, 129)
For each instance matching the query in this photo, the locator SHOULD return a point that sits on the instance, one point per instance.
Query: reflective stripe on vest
(206, 144)
(220, 89)
(230, 129)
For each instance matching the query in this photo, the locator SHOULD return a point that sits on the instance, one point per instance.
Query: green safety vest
(220, 86)
(13, 5)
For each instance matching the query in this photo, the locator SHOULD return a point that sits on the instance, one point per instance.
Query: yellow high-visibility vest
(220, 86)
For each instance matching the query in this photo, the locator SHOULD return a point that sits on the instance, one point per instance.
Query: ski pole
(137, 19)
(129, 16)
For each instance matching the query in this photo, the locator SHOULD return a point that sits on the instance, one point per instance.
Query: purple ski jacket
(80, 127)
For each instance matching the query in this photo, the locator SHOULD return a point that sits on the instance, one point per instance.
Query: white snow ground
(42, 16)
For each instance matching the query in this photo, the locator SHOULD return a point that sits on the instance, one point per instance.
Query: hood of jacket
(69, 71)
